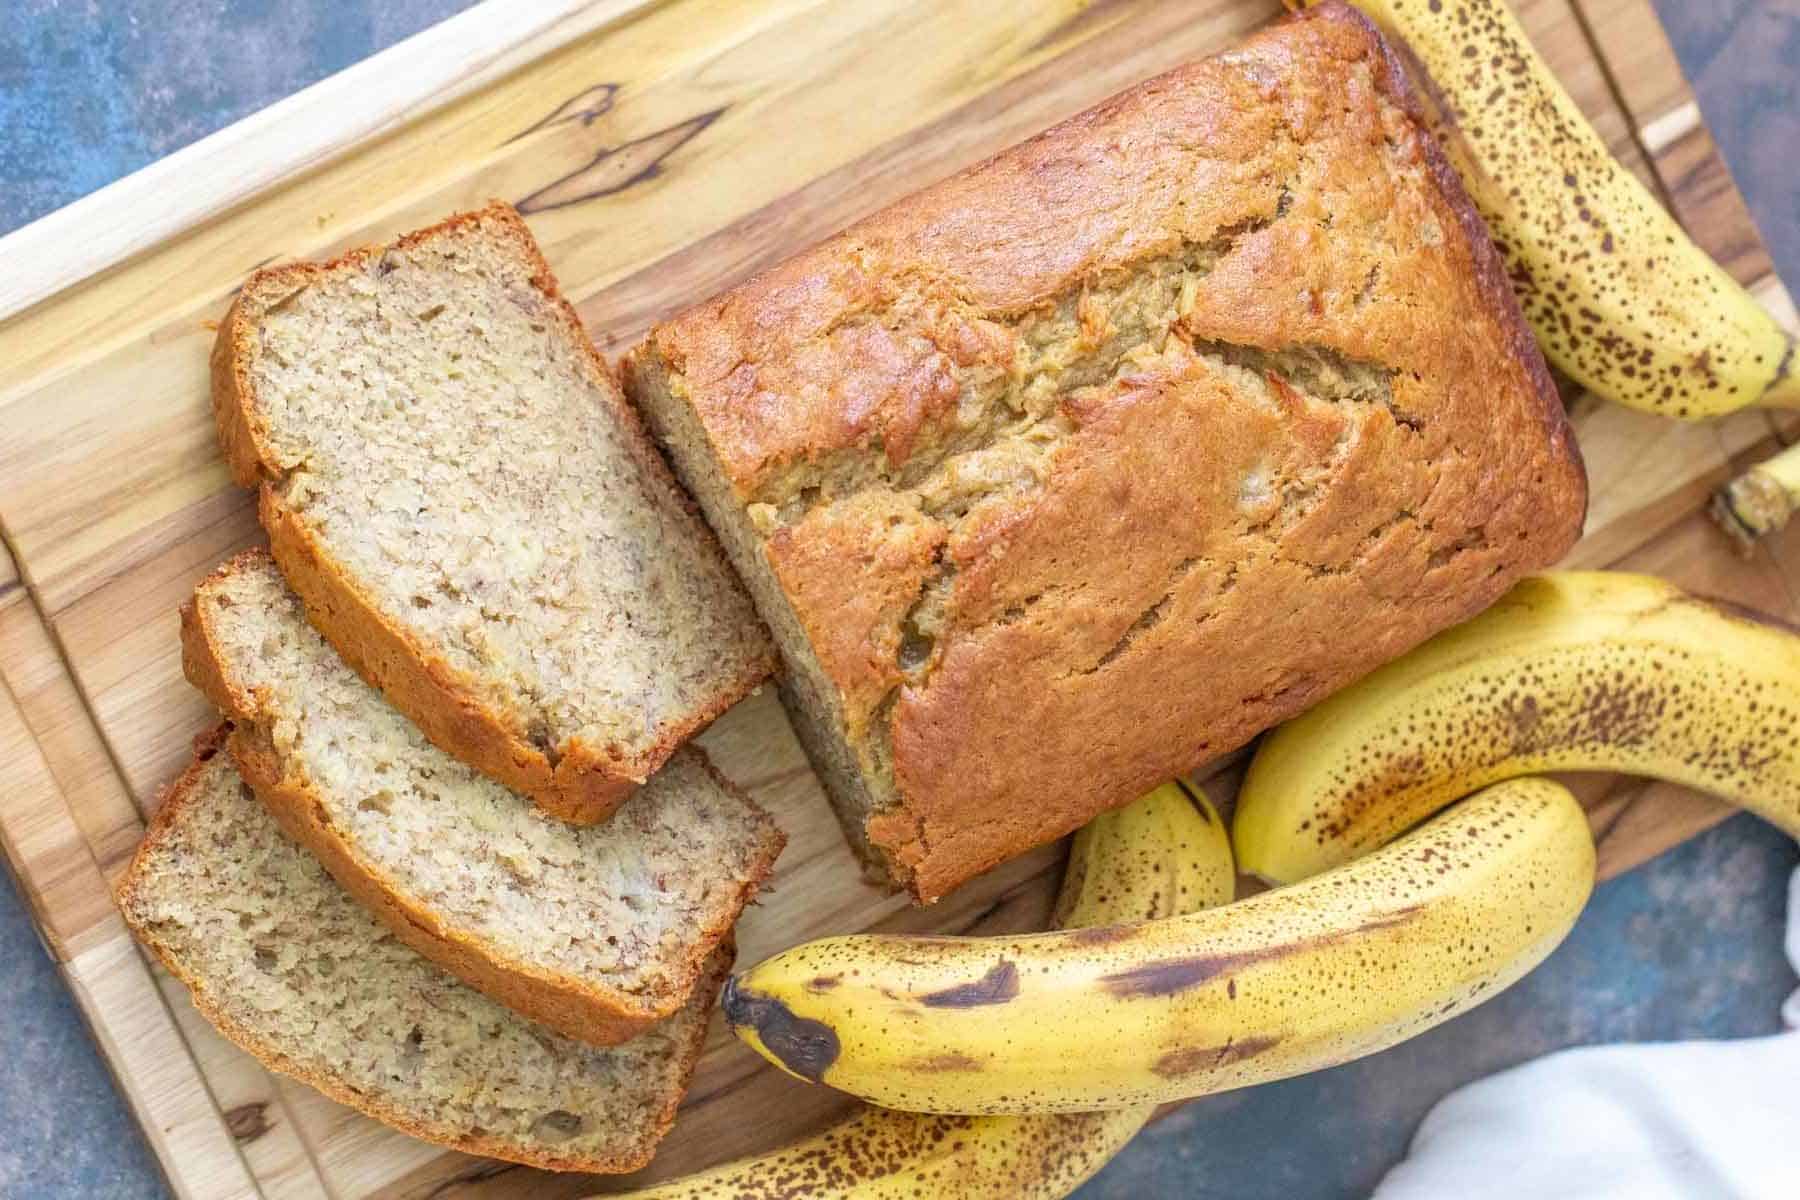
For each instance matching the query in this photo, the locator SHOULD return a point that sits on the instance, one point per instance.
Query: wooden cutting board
(662, 152)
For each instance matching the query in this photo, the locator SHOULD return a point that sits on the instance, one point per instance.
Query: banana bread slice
(292, 969)
(471, 513)
(1078, 469)
(596, 931)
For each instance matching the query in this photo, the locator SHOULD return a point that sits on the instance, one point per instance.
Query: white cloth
(1673, 1121)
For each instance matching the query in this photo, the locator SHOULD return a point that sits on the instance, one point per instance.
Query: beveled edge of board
(114, 991)
(412, 77)
(1671, 132)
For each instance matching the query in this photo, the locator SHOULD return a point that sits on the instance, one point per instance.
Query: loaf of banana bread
(1080, 468)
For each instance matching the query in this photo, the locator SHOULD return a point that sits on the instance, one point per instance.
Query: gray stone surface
(1688, 946)
(93, 89)
(1740, 56)
(67, 1132)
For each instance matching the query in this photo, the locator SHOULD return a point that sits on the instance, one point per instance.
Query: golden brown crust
(585, 783)
(1490, 269)
(582, 787)
(851, 582)
(1146, 600)
(179, 794)
(581, 1009)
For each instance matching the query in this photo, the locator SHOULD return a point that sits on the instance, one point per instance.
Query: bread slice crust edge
(583, 783)
(180, 793)
(575, 1007)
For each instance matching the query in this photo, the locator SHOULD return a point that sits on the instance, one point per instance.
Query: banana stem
(1785, 391)
(1760, 500)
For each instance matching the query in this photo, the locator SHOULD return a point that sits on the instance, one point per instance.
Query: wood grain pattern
(1740, 55)
(661, 158)
(53, 860)
(1655, 96)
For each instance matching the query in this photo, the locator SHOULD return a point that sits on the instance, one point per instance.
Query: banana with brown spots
(1570, 671)
(1163, 855)
(1276, 985)
(1619, 296)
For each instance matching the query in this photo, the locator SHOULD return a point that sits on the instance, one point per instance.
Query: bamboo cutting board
(661, 151)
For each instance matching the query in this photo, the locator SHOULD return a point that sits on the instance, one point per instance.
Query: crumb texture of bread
(474, 515)
(597, 930)
(1081, 468)
(288, 965)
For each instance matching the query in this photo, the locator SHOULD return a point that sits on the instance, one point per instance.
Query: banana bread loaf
(291, 968)
(1084, 466)
(471, 512)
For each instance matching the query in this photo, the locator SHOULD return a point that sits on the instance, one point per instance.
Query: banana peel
(1620, 298)
(1166, 854)
(1279, 984)
(1569, 671)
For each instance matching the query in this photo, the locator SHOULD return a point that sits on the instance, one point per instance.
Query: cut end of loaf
(289, 966)
(855, 783)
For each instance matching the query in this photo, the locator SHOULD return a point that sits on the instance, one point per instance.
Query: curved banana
(1571, 670)
(1163, 855)
(1619, 296)
(1281, 983)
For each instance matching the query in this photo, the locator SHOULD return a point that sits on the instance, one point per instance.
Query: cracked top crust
(1085, 465)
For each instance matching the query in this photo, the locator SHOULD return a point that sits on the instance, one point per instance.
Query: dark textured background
(1688, 946)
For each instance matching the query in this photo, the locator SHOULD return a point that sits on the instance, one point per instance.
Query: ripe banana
(1620, 298)
(1571, 670)
(1281, 983)
(1761, 500)
(1164, 855)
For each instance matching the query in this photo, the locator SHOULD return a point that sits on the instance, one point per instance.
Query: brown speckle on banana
(1000, 984)
(1571, 670)
(882, 1155)
(1194, 1060)
(1271, 986)
(801, 1047)
(1164, 855)
(1620, 298)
